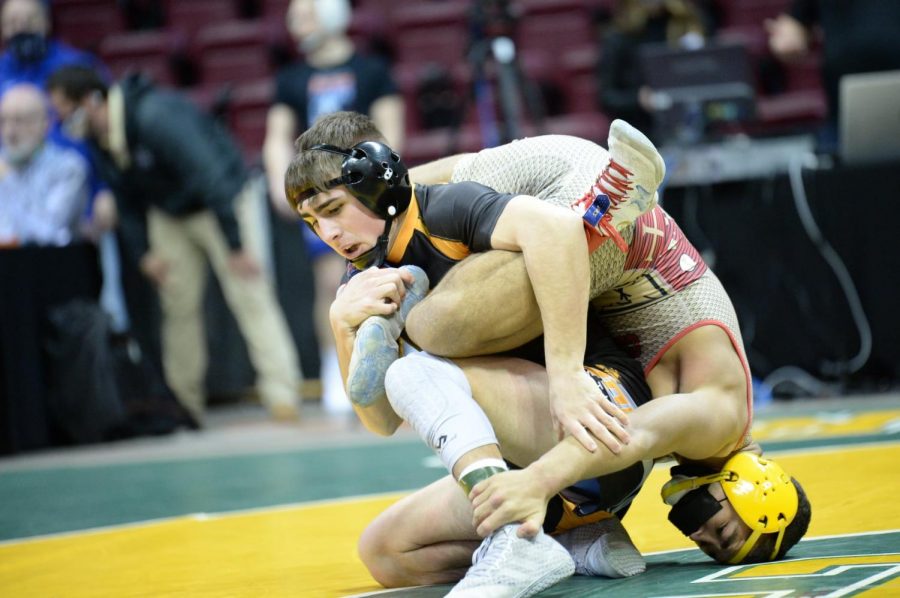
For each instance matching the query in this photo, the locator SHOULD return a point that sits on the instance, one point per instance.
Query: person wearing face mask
(30, 54)
(44, 189)
(331, 77)
(183, 194)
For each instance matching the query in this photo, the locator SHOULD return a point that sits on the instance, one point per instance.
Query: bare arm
(388, 114)
(554, 248)
(437, 171)
(699, 427)
(376, 291)
(277, 152)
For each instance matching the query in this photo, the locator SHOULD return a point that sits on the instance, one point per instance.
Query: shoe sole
(624, 133)
(373, 353)
(375, 348)
(550, 579)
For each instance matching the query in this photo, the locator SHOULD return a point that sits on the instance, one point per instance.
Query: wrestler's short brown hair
(311, 169)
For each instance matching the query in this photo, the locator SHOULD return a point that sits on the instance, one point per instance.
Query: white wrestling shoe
(627, 187)
(507, 566)
(376, 347)
(603, 549)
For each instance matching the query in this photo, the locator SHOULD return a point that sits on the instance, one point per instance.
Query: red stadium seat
(190, 16)
(84, 23)
(274, 8)
(146, 51)
(430, 145)
(233, 51)
(555, 33)
(430, 32)
(446, 46)
(791, 110)
(429, 14)
(749, 12)
(247, 117)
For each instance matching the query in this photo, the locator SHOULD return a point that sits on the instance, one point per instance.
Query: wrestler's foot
(630, 179)
(376, 347)
(506, 565)
(603, 549)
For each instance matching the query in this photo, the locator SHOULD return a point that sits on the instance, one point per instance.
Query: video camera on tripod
(492, 27)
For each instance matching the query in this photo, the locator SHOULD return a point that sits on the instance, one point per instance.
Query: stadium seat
(84, 23)
(555, 33)
(430, 145)
(749, 12)
(146, 51)
(430, 32)
(231, 51)
(249, 108)
(806, 108)
(190, 16)
(274, 8)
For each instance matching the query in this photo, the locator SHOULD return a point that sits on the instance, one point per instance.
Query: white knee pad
(434, 397)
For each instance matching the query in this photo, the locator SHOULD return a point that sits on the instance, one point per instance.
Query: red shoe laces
(614, 181)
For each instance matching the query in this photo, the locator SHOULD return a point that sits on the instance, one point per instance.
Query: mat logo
(847, 575)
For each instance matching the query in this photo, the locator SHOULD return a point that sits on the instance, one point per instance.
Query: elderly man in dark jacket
(182, 191)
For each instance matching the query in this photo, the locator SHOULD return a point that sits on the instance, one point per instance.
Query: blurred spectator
(30, 54)
(332, 76)
(183, 197)
(623, 92)
(44, 189)
(857, 37)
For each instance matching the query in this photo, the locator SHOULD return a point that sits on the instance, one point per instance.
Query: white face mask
(75, 126)
(332, 17)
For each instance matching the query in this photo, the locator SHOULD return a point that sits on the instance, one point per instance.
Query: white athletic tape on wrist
(480, 470)
(433, 396)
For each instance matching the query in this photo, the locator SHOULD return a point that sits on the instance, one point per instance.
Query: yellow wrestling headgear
(758, 489)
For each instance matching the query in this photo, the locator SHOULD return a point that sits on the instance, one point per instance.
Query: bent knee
(375, 552)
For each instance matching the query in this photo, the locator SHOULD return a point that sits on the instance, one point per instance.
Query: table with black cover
(791, 308)
(33, 280)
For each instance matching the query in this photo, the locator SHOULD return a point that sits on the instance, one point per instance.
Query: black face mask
(693, 510)
(376, 255)
(28, 48)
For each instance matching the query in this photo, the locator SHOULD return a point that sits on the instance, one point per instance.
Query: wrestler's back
(556, 168)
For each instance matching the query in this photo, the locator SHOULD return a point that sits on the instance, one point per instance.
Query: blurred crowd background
(734, 91)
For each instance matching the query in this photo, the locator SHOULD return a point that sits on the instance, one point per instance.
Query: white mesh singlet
(557, 168)
(560, 169)
(657, 324)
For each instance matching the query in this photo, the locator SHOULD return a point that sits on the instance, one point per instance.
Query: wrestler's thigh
(484, 305)
(514, 395)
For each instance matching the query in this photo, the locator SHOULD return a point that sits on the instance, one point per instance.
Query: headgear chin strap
(376, 255)
(758, 489)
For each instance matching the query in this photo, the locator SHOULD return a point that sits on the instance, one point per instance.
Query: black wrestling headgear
(375, 175)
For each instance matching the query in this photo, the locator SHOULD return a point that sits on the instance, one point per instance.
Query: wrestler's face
(342, 221)
(724, 533)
